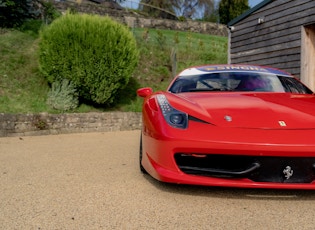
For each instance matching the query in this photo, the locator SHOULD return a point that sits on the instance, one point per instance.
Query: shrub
(62, 96)
(96, 53)
(31, 27)
(14, 12)
(49, 12)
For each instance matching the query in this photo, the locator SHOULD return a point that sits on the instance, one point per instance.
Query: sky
(134, 3)
(253, 3)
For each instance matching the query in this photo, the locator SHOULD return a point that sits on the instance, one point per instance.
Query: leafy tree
(211, 15)
(158, 8)
(194, 8)
(230, 9)
(48, 11)
(181, 8)
(14, 12)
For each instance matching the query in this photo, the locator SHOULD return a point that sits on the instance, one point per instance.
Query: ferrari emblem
(282, 123)
(228, 118)
(288, 172)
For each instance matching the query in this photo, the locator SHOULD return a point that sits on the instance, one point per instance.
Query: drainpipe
(231, 29)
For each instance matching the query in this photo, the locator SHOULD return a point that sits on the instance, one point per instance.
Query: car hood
(250, 110)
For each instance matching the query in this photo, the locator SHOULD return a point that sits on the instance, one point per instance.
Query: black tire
(140, 157)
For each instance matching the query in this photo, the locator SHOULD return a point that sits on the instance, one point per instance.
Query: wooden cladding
(277, 41)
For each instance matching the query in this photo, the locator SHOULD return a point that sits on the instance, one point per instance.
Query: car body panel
(267, 127)
(251, 110)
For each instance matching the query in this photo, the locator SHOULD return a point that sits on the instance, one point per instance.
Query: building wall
(275, 40)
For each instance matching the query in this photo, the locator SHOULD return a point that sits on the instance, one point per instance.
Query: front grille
(255, 168)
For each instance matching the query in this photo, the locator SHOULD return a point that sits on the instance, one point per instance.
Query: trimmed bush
(97, 54)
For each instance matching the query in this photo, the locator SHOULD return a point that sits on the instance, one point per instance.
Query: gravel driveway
(92, 181)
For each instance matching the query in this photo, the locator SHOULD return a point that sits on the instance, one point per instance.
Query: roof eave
(249, 12)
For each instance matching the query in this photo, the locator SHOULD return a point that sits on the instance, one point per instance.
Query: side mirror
(144, 92)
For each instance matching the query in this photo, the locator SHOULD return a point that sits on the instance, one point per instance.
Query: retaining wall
(132, 19)
(46, 124)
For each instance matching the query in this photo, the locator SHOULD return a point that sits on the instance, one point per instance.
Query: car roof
(231, 68)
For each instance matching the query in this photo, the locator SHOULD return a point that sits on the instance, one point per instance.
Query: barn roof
(249, 12)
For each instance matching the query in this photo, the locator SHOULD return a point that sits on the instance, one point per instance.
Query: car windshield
(238, 81)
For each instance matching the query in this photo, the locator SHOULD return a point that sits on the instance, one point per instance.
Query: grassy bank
(163, 53)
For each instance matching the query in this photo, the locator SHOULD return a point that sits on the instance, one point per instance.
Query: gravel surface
(92, 181)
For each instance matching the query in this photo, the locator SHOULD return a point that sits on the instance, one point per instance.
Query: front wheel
(140, 157)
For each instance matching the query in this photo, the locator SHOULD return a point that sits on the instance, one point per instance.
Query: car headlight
(172, 116)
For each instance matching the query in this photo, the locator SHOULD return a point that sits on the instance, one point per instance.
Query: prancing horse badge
(288, 172)
(282, 123)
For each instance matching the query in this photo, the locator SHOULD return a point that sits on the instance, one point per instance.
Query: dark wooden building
(277, 33)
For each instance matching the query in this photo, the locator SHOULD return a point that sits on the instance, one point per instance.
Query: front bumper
(232, 158)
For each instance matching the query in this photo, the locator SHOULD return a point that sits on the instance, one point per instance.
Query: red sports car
(230, 125)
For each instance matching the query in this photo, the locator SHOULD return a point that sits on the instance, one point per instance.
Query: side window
(183, 85)
(292, 85)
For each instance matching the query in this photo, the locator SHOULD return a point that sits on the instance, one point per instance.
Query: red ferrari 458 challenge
(230, 125)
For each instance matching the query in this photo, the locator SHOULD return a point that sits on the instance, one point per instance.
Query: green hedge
(97, 54)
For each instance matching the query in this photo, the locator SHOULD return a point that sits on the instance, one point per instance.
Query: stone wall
(192, 26)
(134, 20)
(44, 123)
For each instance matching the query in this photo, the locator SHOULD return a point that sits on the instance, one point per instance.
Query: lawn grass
(157, 46)
(24, 90)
